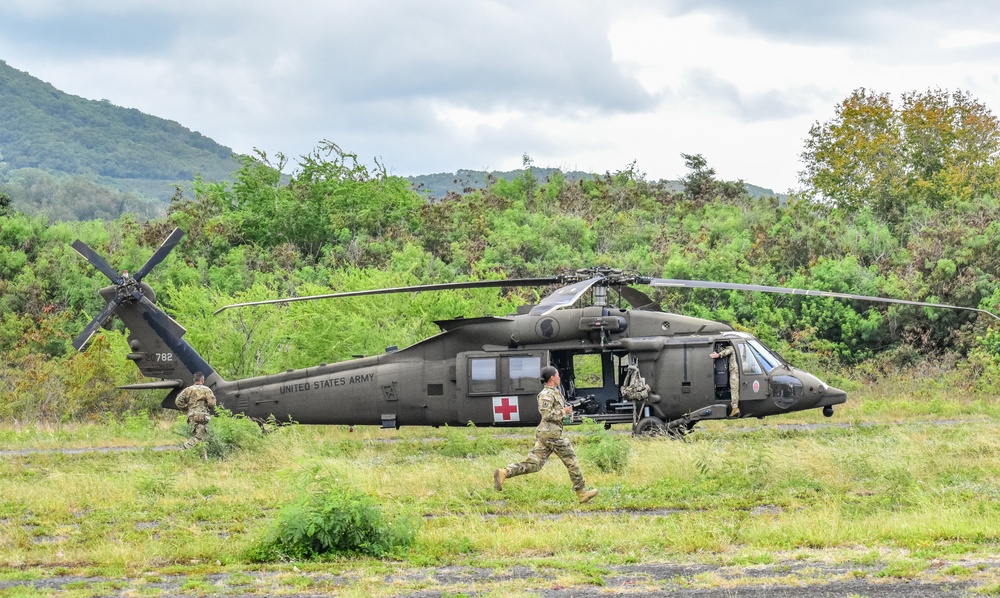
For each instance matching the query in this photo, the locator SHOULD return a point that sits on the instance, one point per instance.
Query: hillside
(78, 147)
(438, 185)
(71, 158)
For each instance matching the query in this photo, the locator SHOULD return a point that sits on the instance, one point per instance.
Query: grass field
(884, 490)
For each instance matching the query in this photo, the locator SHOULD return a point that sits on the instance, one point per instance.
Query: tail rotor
(127, 289)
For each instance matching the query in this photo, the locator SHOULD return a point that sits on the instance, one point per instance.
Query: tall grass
(732, 491)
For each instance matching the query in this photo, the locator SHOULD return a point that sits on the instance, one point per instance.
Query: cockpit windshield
(767, 359)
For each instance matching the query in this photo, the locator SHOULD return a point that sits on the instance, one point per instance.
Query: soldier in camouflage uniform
(734, 377)
(549, 439)
(199, 401)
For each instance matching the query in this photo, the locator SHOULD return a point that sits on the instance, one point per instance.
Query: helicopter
(636, 365)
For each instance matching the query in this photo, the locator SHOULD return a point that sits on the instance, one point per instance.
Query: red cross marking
(505, 408)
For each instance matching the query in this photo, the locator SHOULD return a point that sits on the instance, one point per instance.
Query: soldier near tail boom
(199, 401)
(549, 439)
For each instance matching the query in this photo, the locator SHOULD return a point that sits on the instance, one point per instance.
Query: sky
(436, 86)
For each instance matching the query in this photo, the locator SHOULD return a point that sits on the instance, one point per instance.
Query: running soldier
(199, 401)
(549, 439)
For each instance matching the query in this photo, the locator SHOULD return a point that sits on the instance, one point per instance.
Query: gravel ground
(794, 579)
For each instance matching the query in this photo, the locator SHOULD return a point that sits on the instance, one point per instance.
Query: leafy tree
(5, 208)
(938, 147)
(854, 160)
(951, 147)
(355, 200)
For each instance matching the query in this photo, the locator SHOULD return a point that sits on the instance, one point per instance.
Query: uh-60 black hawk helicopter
(649, 368)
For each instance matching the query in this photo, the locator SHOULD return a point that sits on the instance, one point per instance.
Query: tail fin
(159, 350)
(155, 339)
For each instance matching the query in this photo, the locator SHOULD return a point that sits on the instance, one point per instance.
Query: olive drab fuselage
(486, 371)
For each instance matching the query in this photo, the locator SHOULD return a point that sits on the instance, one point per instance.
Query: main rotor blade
(637, 299)
(160, 253)
(732, 286)
(97, 261)
(81, 340)
(564, 296)
(476, 284)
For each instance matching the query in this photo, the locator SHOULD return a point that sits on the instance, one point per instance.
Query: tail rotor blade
(81, 341)
(97, 261)
(159, 254)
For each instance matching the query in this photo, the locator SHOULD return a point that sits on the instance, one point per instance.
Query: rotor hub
(128, 287)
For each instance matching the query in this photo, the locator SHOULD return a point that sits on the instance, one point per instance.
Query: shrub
(228, 433)
(328, 519)
(459, 443)
(608, 452)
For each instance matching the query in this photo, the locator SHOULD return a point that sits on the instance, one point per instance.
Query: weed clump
(228, 433)
(329, 520)
(608, 452)
(459, 443)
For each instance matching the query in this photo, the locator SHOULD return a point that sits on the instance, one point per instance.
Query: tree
(951, 147)
(938, 147)
(700, 185)
(5, 209)
(854, 160)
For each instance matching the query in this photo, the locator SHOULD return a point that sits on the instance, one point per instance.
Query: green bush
(459, 442)
(610, 453)
(327, 520)
(228, 433)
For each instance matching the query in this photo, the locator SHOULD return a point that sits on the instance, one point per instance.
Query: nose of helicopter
(834, 396)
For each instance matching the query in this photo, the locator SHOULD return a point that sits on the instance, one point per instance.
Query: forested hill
(439, 185)
(55, 140)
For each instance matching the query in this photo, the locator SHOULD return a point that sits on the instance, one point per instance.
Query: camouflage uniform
(734, 376)
(199, 400)
(548, 440)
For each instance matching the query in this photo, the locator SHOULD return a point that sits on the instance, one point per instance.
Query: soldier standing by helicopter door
(734, 376)
(549, 439)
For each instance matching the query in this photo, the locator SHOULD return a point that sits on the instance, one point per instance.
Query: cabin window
(524, 371)
(483, 375)
(750, 365)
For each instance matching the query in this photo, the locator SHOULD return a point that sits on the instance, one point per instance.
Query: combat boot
(584, 495)
(498, 477)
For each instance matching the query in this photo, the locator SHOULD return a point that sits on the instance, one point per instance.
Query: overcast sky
(435, 86)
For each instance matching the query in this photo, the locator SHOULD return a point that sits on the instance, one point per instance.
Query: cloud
(442, 85)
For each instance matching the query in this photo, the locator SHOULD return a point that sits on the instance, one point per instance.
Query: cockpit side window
(767, 359)
(749, 361)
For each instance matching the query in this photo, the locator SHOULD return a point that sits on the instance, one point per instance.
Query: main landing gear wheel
(650, 427)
